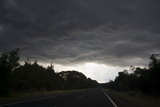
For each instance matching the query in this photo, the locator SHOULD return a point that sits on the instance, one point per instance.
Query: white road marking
(109, 98)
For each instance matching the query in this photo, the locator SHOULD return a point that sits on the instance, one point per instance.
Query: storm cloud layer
(111, 32)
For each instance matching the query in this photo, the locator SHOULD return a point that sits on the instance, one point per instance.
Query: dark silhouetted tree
(140, 79)
(32, 77)
(76, 80)
(8, 62)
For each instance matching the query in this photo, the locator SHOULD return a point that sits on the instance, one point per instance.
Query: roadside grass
(137, 98)
(41, 93)
(27, 95)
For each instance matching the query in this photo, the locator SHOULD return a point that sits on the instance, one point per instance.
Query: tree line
(145, 80)
(32, 76)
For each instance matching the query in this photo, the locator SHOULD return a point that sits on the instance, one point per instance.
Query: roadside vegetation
(34, 95)
(140, 86)
(135, 99)
(139, 80)
(32, 77)
(23, 95)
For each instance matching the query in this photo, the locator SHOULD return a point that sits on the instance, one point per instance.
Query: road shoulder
(133, 99)
(120, 101)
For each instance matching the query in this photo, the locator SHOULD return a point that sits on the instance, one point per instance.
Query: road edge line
(109, 98)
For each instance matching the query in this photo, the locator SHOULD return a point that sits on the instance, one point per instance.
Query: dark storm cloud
(114, 32)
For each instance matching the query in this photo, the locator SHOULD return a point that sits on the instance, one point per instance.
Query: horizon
(99, 72)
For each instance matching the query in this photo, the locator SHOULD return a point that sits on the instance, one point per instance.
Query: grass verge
(139, 99)
(29, 95)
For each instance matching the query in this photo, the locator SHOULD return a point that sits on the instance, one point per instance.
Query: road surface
(89, 98)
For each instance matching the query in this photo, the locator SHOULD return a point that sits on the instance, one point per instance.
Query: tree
(154, 68)
(155, 62)
(29, 77)
(53, 80)
(8, 62)
(73, 79)
(146, 80)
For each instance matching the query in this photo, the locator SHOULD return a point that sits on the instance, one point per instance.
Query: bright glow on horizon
(100, 72)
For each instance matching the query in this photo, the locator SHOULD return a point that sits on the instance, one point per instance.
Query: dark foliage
(76, 80)
(146, 80)
(8, 62)
(73, 79)
(32, 76)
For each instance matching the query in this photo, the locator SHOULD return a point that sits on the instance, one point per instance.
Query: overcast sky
(109, 34)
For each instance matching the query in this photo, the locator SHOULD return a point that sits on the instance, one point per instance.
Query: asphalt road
(89, 98)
